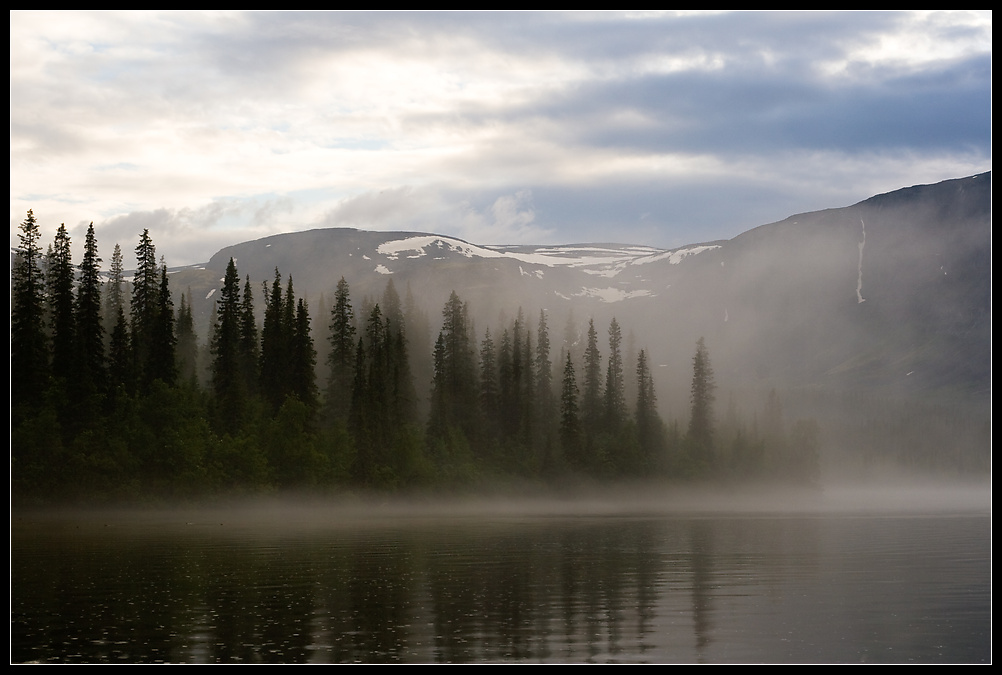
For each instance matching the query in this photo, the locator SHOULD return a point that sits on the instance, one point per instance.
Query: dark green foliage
(489, 389)
(275, 347)
(403, 396)
(120, 362)
(342, 355)
(89, 323)
(162, 364)
(650, 428)
(454, 388)
(700, 435)
(570, 421)
(615, 397)
(544, 375)
(250, 350)
(187, 342)
(114, 296)
(29, 369)
(88, 383)
(62, 322)
(591, 396)
(304, 360)
(228, 383)
(136, 425)
(144, 307)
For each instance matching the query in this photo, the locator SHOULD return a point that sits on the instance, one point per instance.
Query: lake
(854, 576)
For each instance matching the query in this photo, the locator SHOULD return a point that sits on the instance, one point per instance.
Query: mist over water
(844, 574)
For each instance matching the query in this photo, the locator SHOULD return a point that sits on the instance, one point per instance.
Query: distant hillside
(892, 293)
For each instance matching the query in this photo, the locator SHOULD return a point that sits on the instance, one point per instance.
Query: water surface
(522, 581)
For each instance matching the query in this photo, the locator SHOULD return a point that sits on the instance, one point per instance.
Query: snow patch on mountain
(608, 260)
(612, 294)
(678, 255)
(420, 245)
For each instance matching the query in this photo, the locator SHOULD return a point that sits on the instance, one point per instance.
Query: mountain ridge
(891, 293)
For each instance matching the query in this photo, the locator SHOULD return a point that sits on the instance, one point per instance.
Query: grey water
(822, 579)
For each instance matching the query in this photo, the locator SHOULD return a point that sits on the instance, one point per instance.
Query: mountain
(847, 311)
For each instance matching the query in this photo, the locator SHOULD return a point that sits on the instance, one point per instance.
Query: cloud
(485, 125)
(508, 219)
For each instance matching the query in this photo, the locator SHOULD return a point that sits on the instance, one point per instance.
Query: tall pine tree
(341, 359)
(29, 354)
(89, 381)
(143, 308)
(227, 379)
(570, 420)
(162, 363)
(615, 403)
(700, 434)
(61, 279)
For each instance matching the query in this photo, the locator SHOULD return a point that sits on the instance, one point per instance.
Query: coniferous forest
(115, 398)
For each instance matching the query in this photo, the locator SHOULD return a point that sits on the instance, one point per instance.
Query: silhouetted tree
(29, 360)
(615, 403)
(454, 387)
(304, 359)
(227, 378)
(650, 428)
(187, 342)
(591, 397)
(114, 294)
(342, 354)
(700, 434)
(60, 282)
(162, 363)
(274, 347)
(88, 383)
(570, 421)
(250, 348)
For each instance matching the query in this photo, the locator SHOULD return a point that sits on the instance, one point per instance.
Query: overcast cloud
(662, 129)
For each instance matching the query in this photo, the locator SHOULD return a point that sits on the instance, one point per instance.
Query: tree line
(107, 401)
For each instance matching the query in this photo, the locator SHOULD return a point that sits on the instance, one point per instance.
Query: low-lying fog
(632, 500)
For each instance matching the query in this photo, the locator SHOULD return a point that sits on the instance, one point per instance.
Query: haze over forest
(850, 342)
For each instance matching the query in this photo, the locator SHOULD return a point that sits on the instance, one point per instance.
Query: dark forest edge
(111, 402)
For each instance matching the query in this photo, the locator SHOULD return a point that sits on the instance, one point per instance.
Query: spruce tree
(227, 380)
(403, 396)
(89, 381)
(570, 420)
(143, 308)
(591, 397)
(700, 433)
(274, 347)
(454, 400)
(162, 363)
(114, 295)
(90, 326)
(29, 360)
(650, 429)
(187, 342)
(507, 393)
(489, 392)
(544, 369)
(120, 361)
(615, 403)
(304, 359)
(341, 359)
(250, 348)
(61, 279)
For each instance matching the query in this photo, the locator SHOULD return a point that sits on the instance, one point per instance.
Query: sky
(661, 129)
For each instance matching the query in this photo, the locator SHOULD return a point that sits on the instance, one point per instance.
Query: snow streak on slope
(418, 247)
(607, 260)
(678, 255)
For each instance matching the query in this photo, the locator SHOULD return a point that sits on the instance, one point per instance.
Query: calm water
(516, 584)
